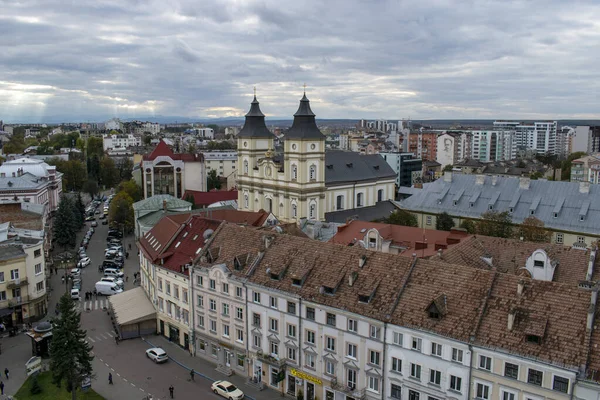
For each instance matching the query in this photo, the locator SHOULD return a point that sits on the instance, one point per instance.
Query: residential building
(304, 181)
(223, 162)
(569, 210)
(28, 217)
(32, 181)
(164, 172)
(586, 139)
(493, 145)
(120, 142)
(140, 128)
(22, 275)
(113, 124)
(423, 145)
(541, 137)
(586, 169)
(408, 169)
(149, 211)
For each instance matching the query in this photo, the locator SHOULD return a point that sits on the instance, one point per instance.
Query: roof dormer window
(296, 281)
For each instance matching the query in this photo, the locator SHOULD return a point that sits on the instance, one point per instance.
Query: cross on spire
(254, 91)
(305, 88)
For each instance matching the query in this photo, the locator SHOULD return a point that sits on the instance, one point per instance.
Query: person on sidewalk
(1, 387)
(171, 390)
(6, 372)
(192, 373)
(110, 382)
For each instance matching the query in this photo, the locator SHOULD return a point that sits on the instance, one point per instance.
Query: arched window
(294, 172)
(294, 211)
(339, 202)
(269, 205)
(246, 201)
(359, 200)
(380, 195)
(246, 167)
(311, 210)
(312, 173)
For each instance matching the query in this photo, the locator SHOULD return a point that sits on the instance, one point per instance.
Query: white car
(157, 355)
(227, 390)
(75, 294)
(75, 273)
(84, 262)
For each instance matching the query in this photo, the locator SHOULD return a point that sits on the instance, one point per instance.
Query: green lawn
(51, 392)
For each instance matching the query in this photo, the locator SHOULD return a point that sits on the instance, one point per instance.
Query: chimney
(352, 278)
(494, 180)
(165, 205)
(524, 183)
(479, 179)
(447, 176)
(361, 261)
(440, 251)
(590, 270)
(268, 240)
(520, 287)
(590, 315)
(584, 187)
(511, 319)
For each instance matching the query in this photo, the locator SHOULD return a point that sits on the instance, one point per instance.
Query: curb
(189, 369)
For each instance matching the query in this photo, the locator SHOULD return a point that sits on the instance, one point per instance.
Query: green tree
(109, 174)
(213, 181)
(79, 209)
(16, 143)
(95, 147)
(65, 224)
(533, 230)
(93, 167)
(468, 226)
(190, 199)
(448, 168)
(45, 149)
(132, 189)
(35, 386)
(494, 223)
(121, 211)
(402, 217)
(91, 187)
(70, 355)
(125, 167)
(444, 222)
(147, 139)
(565, 172)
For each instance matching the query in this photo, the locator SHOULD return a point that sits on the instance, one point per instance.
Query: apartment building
(223, 162)
(540, 137)
(493, 145)
(423, 145)
(586, 139)
(453, 147)
(120, 142)
(586, 169)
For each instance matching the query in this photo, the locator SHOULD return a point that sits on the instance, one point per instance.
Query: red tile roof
(20, 219)
(409, 240)
(163, 150)
(158, 238)
(204, 199)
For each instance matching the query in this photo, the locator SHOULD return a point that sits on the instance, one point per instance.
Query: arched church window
(312, 172)
(294, 211)
(246, 200)
(246, 167)
(294, 171)
(311, 211)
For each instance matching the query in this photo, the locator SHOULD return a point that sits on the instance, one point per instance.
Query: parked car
(82, 254)
(95, 223)
(91, 218)
(75, 294)
(75, 273)
(227, 390)
(84, 262)
(157, 355)
(113, 272)
(104, 221)
(107, 288)
(113, 279)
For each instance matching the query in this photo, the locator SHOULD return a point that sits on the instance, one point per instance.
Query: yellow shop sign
(305, 376)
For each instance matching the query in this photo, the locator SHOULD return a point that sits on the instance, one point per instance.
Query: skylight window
(177, 245)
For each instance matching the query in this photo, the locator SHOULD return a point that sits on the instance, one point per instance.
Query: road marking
(110, 334)
(118, 374)
(98, 339)
(106, 365)
(103, 337)
(96, 304)
(112, 370)
(124, 379)
(91, 340)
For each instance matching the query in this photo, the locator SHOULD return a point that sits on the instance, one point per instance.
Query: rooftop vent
(207, 234)
(349, 165)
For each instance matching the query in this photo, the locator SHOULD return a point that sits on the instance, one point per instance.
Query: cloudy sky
(92, 59)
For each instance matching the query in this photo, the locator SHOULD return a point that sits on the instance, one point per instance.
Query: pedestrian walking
(6, 372)
(1, 387)
(192, 373)
(62, 279)
(127, 278)
(129, 246)
(110, 382)
(171, 390)
(117, 340)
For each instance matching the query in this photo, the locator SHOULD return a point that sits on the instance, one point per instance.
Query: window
(256, 320)
(329, 368)
(398, 338)
(161, 304)
(294, 211)
(225, 330)
(213, 326)
(294, 172)
(352, 325)
(455, 383)
(246, 167)
(485, 362)
(225, 309)
(200, 321)
(238, 291)
(508, 395)
(312, 173)
(291, 307)
(330, 343)
(396, 391)
(274, 376)
(339, 202)
(225, 288)
(200, 301)
(274, 347)
(436, 349)
(535, 377)
(374, 384)
(380, 195)
(396, 365)
(14, 274)
(273, 302)
(374, 357)
(1, 277)
(240, 360)
(428, 220)
(511, 370)
(457, 355)
(291, 355)
(482, 391)
(351, 351)
(415, 371)
(246, 201)
(310, 337)
(375, 331)
(184, 295)
(412, 395)
(560, 238)
(274, 325)
(199, 280)
(257, 297)
(291, 331)
(560, 384)
(37, 253)
(310, 360)
(168, 287)
(176, 291)
(310, 313)
(351, 375)
(359, 200)
(39, 286)
(580, 240)
(435, 377)
(330, 319)
(311, 211)
(38, 269)
(256, 341)
(212, 305)
(416, 343)
(212, 284)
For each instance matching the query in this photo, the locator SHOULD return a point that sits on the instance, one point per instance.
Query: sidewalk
(207, 370)
(15, 352)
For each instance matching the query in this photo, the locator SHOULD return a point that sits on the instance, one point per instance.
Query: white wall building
(120, 142)
(223, 162)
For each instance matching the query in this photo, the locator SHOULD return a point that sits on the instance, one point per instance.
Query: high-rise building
(540, 137)
(586, 139)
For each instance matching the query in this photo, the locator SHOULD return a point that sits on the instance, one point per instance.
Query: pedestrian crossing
(92, 305)
(98, 337)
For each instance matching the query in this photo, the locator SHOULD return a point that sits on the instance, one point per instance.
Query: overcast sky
(425, 59)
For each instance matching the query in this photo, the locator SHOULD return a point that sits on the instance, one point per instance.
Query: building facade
(408, 169)
(223, 162)
(586, 139)
(120, 142)
(586, 169)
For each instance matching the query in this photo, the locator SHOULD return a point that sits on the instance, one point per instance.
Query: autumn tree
(121, 211)
(494, 223)
(468, 226)
(213, 181)
(402, 217)
(132, 189)
(532, 230)
(444, 222)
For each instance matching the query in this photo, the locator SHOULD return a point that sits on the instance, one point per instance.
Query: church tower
(304, 166)
(254, 140)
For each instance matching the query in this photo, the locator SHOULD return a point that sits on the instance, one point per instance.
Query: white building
(453, 147)
(223, 162)
(540, 137)
(493, 145)
(120, 142)
(113, 124)
(586, 139)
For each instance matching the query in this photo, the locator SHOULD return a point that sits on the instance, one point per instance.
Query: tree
(402, 217)
(494, 223)
(448, 168)
(109, 174)
(213, 181)
(468, 226)
(565, 172)
(74, 171)
(91, 187)
(95, 147)
(147, 140)
(16, 143)
(79, 210)
(190, 199)
(65, 224)
(35, 386)
(125, 168)
(93, 167)
(444, 222)
(532, 230)
(121, 211)
(132, 189)
(70, 355)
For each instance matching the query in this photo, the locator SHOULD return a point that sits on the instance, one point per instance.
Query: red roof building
(205, 199)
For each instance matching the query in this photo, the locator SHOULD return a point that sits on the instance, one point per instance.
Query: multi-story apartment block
(223, 162)
(408, 169)
(586, 169)
(120, 142)
(586, 139)
(540, 137)
(493, 145)
(453, 147)
(423, 145)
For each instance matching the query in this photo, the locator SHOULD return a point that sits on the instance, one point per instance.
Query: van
(107, 288)
(114, 273)
(112, 279)
(75, 294)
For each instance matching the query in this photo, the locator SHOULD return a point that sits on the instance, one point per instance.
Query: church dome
(304, 126)
(254, 126)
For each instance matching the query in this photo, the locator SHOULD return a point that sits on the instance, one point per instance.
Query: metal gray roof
(383, 209)
(304, 125)
(348, 166)
(10, 252)
(474, 194)
(156, 203)
(254, 126)
(25, 181)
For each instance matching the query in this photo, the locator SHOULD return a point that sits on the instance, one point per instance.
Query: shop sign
(305, 376)
(33, 365)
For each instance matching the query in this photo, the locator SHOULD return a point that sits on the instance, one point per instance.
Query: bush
(35, 386)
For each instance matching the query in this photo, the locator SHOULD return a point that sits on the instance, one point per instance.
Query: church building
(305, 181)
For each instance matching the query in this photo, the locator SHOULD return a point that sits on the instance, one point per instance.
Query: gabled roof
(156, 240)
(348, 166)
(163, 150)
(204, 199)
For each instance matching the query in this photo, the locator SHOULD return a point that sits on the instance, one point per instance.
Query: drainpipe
(470, 371)
(247, 329)
(300, 340)
(384, 356)
(193, 304)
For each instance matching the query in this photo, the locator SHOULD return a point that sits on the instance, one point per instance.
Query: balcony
(17, 283)
(17, 301)
(357, 394)
(269, 359)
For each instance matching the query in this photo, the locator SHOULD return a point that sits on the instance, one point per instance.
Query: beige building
(223, 162)
(304, 181)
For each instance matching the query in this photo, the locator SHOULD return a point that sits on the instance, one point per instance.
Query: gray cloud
(359, 59)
